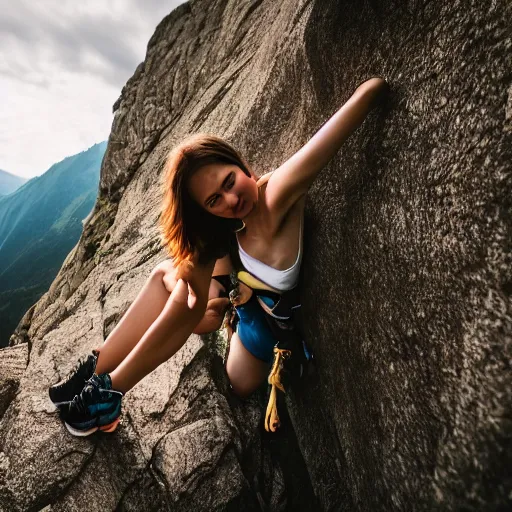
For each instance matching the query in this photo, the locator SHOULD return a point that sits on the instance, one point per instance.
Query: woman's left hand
(213, 316)
(240, 295)
(378, 88)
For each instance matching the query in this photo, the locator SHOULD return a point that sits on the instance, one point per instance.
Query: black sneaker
(73, 383)
(97, 407)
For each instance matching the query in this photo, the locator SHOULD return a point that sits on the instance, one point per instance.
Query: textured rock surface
(407, 276)
(13, 362)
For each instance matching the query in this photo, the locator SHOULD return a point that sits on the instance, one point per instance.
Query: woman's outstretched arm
(293, 178)
(169, 332)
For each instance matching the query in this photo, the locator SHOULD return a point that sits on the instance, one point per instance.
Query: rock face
(13, 362)
(406, 286)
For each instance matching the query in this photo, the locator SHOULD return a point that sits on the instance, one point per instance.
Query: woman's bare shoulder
(262, 180)
(283, 215)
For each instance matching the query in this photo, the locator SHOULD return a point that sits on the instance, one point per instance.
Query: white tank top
(279, 279)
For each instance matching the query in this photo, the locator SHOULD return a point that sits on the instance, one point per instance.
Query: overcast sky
(63, 64)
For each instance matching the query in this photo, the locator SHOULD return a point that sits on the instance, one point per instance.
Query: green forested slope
(39, 224)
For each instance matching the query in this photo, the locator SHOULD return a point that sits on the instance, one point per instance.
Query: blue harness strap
(254, 332)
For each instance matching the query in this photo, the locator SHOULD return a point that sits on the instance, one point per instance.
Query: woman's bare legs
(136, 321)
(164, 337)
(182, 312)
(146, 308)
(246, 373)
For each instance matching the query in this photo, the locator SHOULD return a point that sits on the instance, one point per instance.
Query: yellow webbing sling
(274, 379)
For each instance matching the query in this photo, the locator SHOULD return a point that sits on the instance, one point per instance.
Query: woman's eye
(212, 202)
(231, 182)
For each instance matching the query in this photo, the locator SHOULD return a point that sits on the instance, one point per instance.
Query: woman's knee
(163, 267)
(246, 376)
(240, 390)
(165, 272)
(236, 393)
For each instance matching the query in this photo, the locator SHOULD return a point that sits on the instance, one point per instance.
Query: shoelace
(86, 396)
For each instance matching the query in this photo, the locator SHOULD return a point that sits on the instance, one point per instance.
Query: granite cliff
(406, 283)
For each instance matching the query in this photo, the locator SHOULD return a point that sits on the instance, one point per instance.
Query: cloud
(37, 37)
(63, 64)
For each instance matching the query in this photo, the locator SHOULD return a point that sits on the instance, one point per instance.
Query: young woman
(211, 199)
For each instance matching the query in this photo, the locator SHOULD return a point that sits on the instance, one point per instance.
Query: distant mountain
(39, 224)
(9, 182)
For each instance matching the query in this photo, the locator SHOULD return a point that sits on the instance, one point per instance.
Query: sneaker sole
(82, 433)
(111, 426)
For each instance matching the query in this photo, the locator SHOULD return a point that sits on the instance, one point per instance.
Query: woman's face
(224, 190)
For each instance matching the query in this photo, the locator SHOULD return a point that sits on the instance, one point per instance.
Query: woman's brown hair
(186, 228)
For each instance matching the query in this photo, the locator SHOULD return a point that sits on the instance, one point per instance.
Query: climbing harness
(281, 312)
